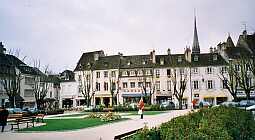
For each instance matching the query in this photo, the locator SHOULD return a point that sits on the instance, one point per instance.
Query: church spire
(195, 46)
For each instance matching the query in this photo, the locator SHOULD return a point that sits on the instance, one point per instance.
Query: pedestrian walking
(141, 107)
(3, 117)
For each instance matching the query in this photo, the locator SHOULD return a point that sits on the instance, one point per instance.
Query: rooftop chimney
(153, 56)
(2, 49)
(168, 51)
(211, 49)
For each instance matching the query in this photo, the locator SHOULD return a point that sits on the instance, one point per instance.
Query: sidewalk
(104, 132)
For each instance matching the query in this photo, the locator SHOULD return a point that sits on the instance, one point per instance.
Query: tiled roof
(145, 61)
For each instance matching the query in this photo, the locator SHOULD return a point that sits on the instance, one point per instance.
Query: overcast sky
(58, 31)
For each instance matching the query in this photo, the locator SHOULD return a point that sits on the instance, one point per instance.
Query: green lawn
(69, 124)
(146, 112)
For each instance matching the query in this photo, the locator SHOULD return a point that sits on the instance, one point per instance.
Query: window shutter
(206, 84)
(213, 84)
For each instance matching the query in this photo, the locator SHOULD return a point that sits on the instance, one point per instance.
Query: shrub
(54, 112)
(219, 123)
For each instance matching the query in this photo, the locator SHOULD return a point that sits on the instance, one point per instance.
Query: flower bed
(110, 116)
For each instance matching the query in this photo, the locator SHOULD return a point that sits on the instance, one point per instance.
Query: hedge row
(219, 123)
(122, 108)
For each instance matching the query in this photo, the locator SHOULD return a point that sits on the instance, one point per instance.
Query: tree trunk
(180, 103)
(11, 100)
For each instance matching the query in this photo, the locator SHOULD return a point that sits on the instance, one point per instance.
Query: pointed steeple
(195, 46)
(229, 42)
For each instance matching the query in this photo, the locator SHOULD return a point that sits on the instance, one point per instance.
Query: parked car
(17, 111)
(202, 103)
(230, 104)
(31, 111)
(167, 104)
(252, 108)
(246, 103)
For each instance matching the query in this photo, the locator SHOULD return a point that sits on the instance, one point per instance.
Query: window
(28, 93)
(148, 84)
(79, 77)
(224, 69)
(105, 74)
(125, 73)
(161, 61)
(237, 67)
(157, 73)
(168, 71)
(210, 84)
(80, 88)
(140, 84)
(195, 85)
(50, 94)
(140, 72)
(195, 58)
(169, 85)
(124, 84)
(209, 70)
(132, 73)
(29, 80)
(132, 84)
(181, 71)
(113, 73)
(148, 72)
(105, 86)
(215, 57)
(157, 85)
(224, 83)
(98, 74)
(113, 86)
(179, 59)
(97, 86)
(195, 70)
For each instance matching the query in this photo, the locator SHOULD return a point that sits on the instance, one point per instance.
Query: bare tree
(40, 85)
(85, 86)
(11, 82)
(11, 76)
(147, 83)
(244, 76)
(229, 79)
(179, 85)
(113, 88)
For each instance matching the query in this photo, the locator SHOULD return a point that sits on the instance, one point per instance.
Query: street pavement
(103, 132)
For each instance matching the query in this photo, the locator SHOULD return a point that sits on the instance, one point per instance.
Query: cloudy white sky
(58, 31)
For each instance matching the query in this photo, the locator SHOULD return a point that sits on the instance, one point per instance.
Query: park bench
(17, 119)
(126, 135)
(39, 117)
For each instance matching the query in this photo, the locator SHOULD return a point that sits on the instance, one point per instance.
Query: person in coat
(3, 117)
(141, 107)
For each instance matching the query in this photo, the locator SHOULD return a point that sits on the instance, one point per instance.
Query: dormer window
(215, 57)
(144, 62)
(132, 73)
(195, 58)
(179, 59)
(140, 72)
(161, 61)
(128, 63)
(124, 73)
